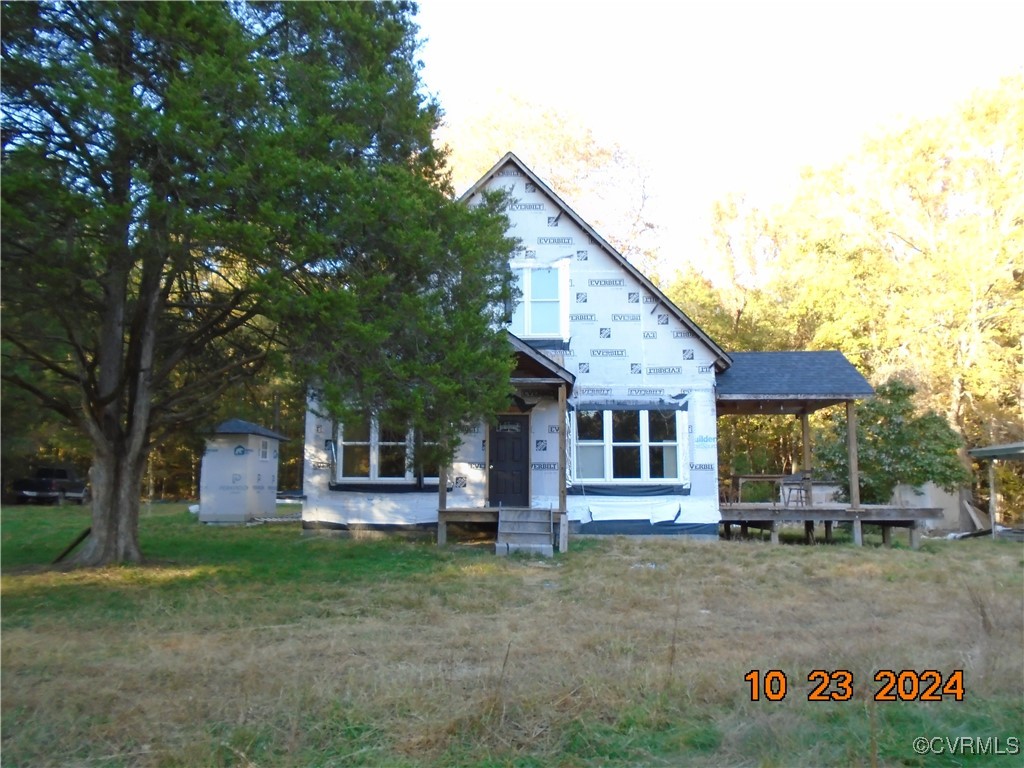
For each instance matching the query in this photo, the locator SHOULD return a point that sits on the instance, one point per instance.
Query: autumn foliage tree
(602, 180)
(908, 256)
(191, 190)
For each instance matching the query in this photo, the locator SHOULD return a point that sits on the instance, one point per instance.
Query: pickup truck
(53, 485)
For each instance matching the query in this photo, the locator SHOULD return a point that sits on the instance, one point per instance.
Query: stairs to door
(526, 530)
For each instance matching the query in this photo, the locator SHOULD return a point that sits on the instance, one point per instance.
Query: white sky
(714, 97)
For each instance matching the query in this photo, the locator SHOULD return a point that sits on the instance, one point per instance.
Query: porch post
(851, 447)
(992, 502)
(805, 430)
(563, 517)
(442, 505)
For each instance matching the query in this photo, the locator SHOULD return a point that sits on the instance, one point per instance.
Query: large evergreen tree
(193, 189)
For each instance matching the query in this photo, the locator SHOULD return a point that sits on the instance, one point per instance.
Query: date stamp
(838, 685)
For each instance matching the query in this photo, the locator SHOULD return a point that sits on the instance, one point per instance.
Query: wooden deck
(748, 515)
(772, 516)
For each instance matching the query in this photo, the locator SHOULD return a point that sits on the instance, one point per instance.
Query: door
(509, 460)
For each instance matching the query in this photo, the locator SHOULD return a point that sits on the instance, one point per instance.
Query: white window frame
(644, 443)
(264, 449)
(526, 302)
(375, 443)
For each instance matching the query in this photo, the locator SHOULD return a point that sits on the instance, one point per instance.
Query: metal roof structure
(788, 382)
(1006, 451)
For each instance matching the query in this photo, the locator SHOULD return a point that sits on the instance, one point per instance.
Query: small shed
(238, 479)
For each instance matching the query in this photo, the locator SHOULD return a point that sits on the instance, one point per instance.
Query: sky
(720, 97)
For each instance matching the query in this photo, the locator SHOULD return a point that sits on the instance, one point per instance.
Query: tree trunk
(116, 479)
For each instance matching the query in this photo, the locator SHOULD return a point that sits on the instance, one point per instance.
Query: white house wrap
(238, 480)
(635, 375)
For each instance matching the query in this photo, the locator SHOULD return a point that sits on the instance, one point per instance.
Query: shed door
(508, 478)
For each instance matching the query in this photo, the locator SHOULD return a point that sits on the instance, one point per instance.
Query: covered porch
(798, 384)
(513, 482)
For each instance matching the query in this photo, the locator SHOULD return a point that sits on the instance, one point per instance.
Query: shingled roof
(240, 427)
(788, 382)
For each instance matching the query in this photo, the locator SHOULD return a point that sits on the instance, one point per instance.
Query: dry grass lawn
(261, 647)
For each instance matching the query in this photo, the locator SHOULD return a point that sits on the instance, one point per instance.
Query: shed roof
(240, 427)
(788, 382)
(1011, 451)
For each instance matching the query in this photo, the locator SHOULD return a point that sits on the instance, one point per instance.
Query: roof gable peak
(722, 359)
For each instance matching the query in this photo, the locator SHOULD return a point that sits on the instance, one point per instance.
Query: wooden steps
(526, 530)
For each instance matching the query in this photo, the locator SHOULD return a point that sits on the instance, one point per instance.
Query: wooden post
(775, 531)
(915, 536)
(858, 534)
(805, 435)
(886, 535)
(442, 505)
(808, 531)
(851, 447)
(563, 465)
(727, 531)
(992, 503)
(442, 489)
(828, 531)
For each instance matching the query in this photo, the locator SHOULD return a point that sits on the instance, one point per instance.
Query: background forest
(908, 256)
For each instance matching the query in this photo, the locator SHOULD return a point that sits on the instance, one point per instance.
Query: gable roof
(240, 427)
(722, 360)
(536, 367)
(788, 382)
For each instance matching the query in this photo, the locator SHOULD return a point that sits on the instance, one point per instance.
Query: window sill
(635, 488)
(385, 486)
(554, 343)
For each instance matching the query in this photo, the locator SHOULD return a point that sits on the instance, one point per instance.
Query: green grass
(185, 558)
(260, 646)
